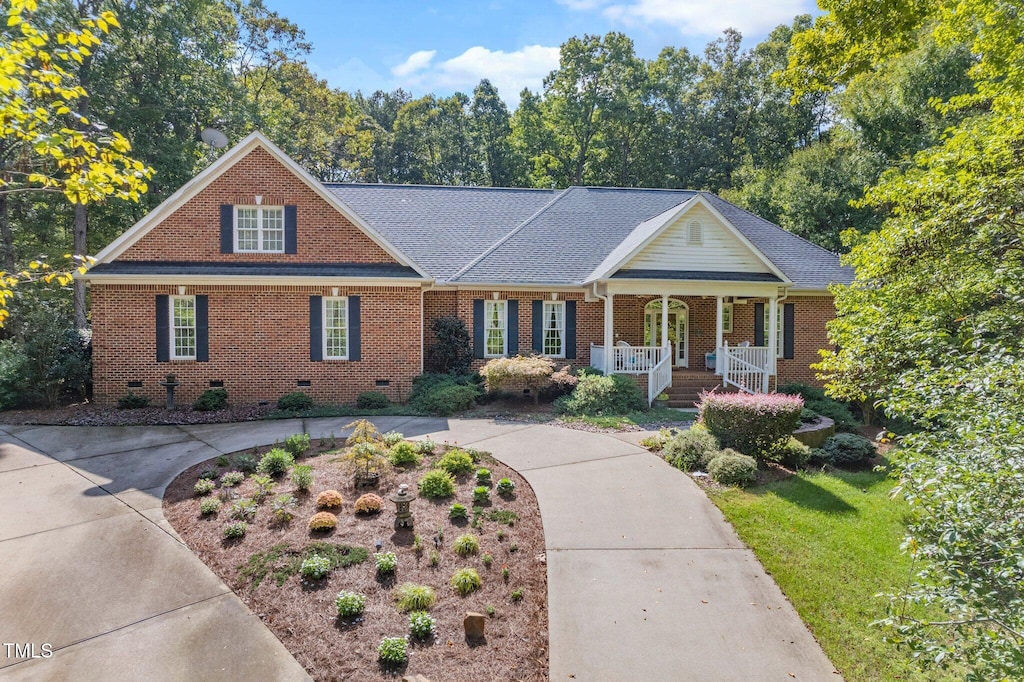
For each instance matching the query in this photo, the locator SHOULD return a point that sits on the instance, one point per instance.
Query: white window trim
(727, 314)
(323, 323)
(173, 354)
(488, 306)
(259, 229)
(544, 326)
(779, 334)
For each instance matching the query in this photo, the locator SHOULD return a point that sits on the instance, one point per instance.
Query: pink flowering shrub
(758, 425)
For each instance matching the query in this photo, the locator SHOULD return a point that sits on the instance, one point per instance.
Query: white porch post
(773, 339)
(718, 337)
(609, 333)
(664, 323)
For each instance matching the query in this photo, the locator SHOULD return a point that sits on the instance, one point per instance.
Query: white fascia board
(679, 287)
(237, 280)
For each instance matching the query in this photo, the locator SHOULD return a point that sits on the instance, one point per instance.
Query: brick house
(256, 277)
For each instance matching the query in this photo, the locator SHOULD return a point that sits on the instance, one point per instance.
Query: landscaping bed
(302, 612)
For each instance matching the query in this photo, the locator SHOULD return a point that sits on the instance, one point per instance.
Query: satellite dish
(214, 138)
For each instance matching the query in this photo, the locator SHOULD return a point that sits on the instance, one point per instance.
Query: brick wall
(259, 344)
(810, 313)
(192, 233)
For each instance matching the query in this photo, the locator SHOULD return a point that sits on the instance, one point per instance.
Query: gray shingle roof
(374, 270)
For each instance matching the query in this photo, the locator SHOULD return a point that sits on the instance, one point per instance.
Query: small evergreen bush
(465, 581)
(275, 462)
(450, 351)
(132, 401)
(349, 604)
(848, 450)
(444, 394)
(294, 402)
(732, 468)
(403, 453)
(245, 463)
(690, 450)
(372, 400)
(437, 484)
(297, 445)
(793, 455)
(757, 425)
(211, 400)
(302, 476)
(602, 395)
(455, 462)
(816, 400)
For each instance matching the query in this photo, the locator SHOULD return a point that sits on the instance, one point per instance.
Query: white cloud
(417, 61)
(509, 72)
(698, 17)
(351, 75)
(583, 5)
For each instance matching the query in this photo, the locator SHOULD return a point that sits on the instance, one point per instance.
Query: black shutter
(758, 324)
(788, 318)
(478, 328)
(538, 326)
(570, 330)
(316, 328)
(163, 328)
(291, 240)
(227, 228)
(512, 318)
(355, 350)
(202, 329)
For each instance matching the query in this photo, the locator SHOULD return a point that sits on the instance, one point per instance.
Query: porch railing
(654, 361)
(746, 367)
(660, 377)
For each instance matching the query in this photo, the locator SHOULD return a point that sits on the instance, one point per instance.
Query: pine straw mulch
(302, 614)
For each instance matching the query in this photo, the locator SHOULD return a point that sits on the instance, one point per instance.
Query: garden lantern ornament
(402, 499)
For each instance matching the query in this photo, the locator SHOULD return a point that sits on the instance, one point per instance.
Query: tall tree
(490, 129)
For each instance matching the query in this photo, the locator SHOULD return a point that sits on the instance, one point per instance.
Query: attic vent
(695, 233)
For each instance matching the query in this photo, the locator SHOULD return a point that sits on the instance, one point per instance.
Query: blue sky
(449, 45)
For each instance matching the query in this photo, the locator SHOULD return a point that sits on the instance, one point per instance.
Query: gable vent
(695, 233)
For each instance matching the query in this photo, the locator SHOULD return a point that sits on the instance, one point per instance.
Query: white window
(695, 233)
(335, 328)
(495, 324)
(183, 327)
(554, 329)
(727, 318)
(259, 229)
(778, 328)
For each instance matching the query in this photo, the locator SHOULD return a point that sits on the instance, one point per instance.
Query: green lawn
(831, 541)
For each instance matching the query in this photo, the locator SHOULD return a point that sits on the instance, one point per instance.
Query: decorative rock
(814, 435)
(414, 678)
(474, 624)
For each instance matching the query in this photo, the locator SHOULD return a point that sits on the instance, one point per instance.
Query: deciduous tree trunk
(80, 232)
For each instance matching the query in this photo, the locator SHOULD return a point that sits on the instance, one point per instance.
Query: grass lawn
(832, 541)
(653, 416)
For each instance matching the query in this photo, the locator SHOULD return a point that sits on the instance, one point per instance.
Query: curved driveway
(646, 580)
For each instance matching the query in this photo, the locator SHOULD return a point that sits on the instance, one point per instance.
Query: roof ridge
(638, 189)
(493, 247)
(406, 185)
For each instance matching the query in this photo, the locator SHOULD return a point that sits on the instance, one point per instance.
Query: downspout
(775, 360)
(604, 323)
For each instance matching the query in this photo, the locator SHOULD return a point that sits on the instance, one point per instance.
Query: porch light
(402, 499)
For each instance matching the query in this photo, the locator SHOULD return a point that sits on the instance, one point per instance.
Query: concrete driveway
(646, 580)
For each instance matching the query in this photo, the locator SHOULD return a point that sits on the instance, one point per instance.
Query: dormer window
(695, 233)
(259, 229)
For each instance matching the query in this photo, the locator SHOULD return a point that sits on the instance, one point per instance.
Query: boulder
(474, 624)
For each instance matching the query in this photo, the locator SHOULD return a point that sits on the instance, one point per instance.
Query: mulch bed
(302, 613)
(88, 414)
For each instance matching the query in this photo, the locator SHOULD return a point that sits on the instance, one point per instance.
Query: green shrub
(283, 508)
(483, 476)
(236, 530)
(203, 486)
(425, 447)
(316, 567)
(403, 453)
(132, 401)
(421, 625)
(372, 400)
(793, 455)
(231, 479)
(467, 544)
(506, 486)
(444, 394)
(275, 462)
(209, 506)
(349, 604)
(435, 557)
(243, 509)
(391, 652)
(413, 597)
(294, 402)
(392, 438)
(302, 476)
(264, 486)
(481, 495)
(297, 445)
(386, 562)
(210, 473)
(602, 395)
(848, 449)
(457, 511)
(455, 462)
(816, 400)
(690, 450)
(437, 484)
(245, 463)
(212, 399)
(757, 425)
(450, 351)
(465, 581)
(732, 468)
(808, 415)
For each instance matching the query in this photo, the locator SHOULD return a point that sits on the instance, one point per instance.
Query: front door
(677, 333)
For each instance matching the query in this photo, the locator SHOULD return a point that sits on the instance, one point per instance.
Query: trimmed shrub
(329, 499)
(457, 511)
(450, 351)
(731, 468)
(816, 400)
(421, 625)
(391, 651)
(209, 506)
(516, 373)
(316, 567)
(756, 425)
(368, 504)
(455, 462)
(793, 455)
(372, 400)
(386, 562)
(132, 401)
(294, 402)
(506, 486)
(323, 521)
(481, 495)
(349, 604)
(483, 476)
(465, 581)
(297, 445)
(275, 462)
(413, 597)
(437, 484)
(211, 400)
(234, 531)
(690, 450)
(444, 394)
(231, 479)
(848, 450)
(602, 395)
(467, 544)
(203, 486)
(808, 415)
(302, 476)
(403, 453)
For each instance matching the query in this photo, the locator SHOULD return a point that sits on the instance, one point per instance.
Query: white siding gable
(719, 250)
